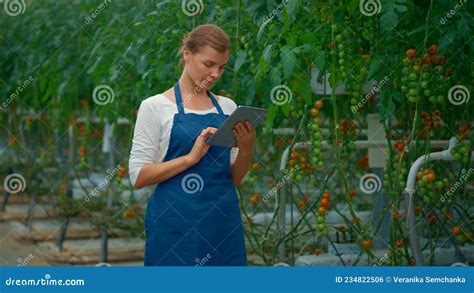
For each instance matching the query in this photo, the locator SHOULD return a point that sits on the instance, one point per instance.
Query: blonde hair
(205, 35)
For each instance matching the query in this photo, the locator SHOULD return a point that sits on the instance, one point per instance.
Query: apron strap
(216, 104)
(179, 100)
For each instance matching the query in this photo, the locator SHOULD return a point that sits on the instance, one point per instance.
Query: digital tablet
(224, 135)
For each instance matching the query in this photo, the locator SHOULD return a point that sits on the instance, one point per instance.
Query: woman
(193, 217)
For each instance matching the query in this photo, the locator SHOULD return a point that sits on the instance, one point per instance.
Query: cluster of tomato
(244, 40)
(462, 236)
(349, 134)
(461, 152)
(363, 162)
(300, 165)
(120, 174)
(316, 135)
(133, 212)
(425, 76)
(322, 211)
(430, 188)
(303, 201)
(255, 198)
(352, 67)
(428, 123)
(83, 134)
(297, 112)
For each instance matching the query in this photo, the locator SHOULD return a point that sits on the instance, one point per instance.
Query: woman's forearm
(240, 166)
(157, 172)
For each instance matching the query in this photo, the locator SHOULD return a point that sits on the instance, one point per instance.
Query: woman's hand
(245, 135)
(200, 146)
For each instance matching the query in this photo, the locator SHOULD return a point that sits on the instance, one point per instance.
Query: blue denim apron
(193, 218)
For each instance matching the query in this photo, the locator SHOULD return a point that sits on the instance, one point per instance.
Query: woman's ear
(186, 55)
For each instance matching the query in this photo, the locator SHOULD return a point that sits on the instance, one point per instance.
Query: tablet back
(224, 135)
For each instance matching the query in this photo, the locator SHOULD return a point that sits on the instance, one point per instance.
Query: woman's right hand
(200, 146)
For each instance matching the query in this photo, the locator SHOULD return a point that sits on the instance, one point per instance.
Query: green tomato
(441, 99)
(461, 239)
(413, 76)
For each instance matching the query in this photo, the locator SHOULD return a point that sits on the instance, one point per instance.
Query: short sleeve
(145, 145)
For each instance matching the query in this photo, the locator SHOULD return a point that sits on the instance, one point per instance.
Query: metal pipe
(360, 144)
(410, 191)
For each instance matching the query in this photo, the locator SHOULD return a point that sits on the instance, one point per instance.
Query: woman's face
(206, 66)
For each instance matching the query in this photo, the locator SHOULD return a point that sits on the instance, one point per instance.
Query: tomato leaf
(374, 67)
(240, 59)
(288, 60)
(389, 19)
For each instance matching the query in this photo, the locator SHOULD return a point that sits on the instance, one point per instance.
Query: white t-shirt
(153, 128)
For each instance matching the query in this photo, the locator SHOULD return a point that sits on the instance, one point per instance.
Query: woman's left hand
(245, 136)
